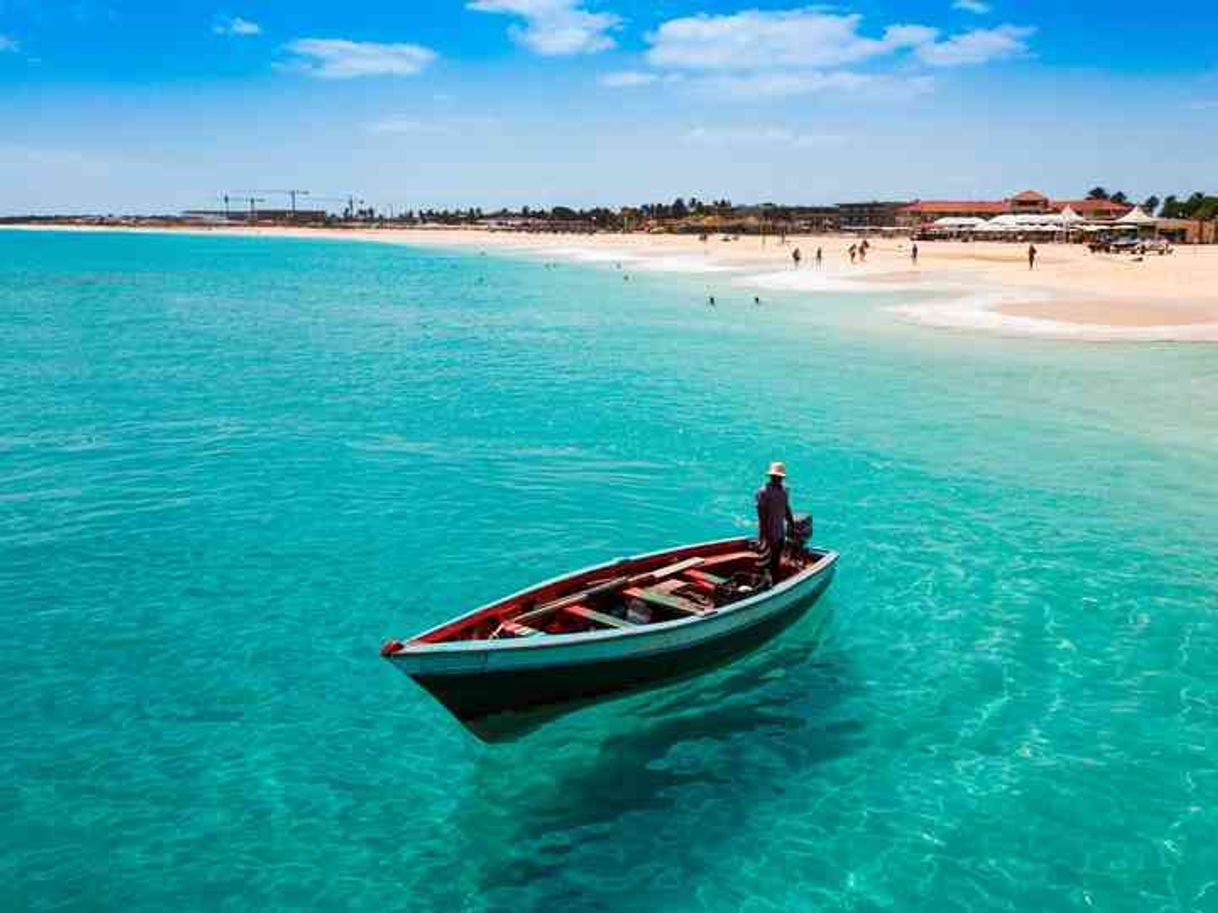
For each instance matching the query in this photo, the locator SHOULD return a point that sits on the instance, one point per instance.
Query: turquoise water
(229, 468)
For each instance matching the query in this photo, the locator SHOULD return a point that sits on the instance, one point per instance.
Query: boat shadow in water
(617, 782)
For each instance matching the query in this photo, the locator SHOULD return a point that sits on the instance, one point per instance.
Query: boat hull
(486, 692)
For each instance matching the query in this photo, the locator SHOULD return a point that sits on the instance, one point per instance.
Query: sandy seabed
(985, 286)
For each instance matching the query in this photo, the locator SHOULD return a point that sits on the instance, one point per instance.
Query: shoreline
(978, 286)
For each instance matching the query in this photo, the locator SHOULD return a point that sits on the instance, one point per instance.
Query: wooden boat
(618, 627)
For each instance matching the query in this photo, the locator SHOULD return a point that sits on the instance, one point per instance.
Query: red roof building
(1095, 210)
(1029, 202)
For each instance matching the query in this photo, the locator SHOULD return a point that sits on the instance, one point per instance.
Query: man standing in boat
(773, 515)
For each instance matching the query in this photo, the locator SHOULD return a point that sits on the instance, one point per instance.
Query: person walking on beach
(853, 252)
(1031, 256)
(913, 253)
(796, 256)
(863, 251)
(773, 515)
(820, 256)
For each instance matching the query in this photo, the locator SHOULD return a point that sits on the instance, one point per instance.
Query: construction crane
(251, 200)
(350, 199)
(291, 194)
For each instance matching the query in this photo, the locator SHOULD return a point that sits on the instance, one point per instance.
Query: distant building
(772, 219)
(924, 211)
(815, 219)
(1188, 231)
(299, 216)
(1094, 210)
(538, 223)
(1027, 202)
(873, 214)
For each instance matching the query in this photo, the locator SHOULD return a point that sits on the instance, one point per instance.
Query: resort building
(871, 215)
(1026, 203)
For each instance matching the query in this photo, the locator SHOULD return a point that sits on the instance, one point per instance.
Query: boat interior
(679, 584)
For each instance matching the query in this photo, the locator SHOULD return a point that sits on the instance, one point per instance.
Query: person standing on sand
(913, 253)
(853, 252)
(1031, 256)
(820, 256)
(773, 515)
(796, 256)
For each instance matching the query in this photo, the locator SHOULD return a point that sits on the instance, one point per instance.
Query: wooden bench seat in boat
(605, 586)
(669, 587)
(600, 618)
(670, 570)
(518, 630)
(731, 558)
(658, 597)
(704, 582)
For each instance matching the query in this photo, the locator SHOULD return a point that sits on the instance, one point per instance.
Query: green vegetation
(1198, 206)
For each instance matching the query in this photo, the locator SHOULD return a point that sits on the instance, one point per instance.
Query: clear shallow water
(229, 468)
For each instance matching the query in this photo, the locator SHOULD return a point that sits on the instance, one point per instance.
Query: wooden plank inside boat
(596, 617)
(665, 600)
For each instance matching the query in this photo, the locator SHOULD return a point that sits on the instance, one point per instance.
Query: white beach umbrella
(1137, 216)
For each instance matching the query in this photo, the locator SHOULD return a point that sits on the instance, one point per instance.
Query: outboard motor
(801, 532)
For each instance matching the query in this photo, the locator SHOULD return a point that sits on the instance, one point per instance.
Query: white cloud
(555, 28)
(800, 51)
(337, 58)
(760, 136)
(972, 6)
(9, 44)
(755, 39)
(626, 79)
(235, 25)
(978, 46)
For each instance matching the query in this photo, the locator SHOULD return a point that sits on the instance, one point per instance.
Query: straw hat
(778, 469)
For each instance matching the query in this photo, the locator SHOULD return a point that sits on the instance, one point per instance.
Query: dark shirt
(773, 510)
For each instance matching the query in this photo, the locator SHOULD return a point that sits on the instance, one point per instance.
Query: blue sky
(131, 105)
